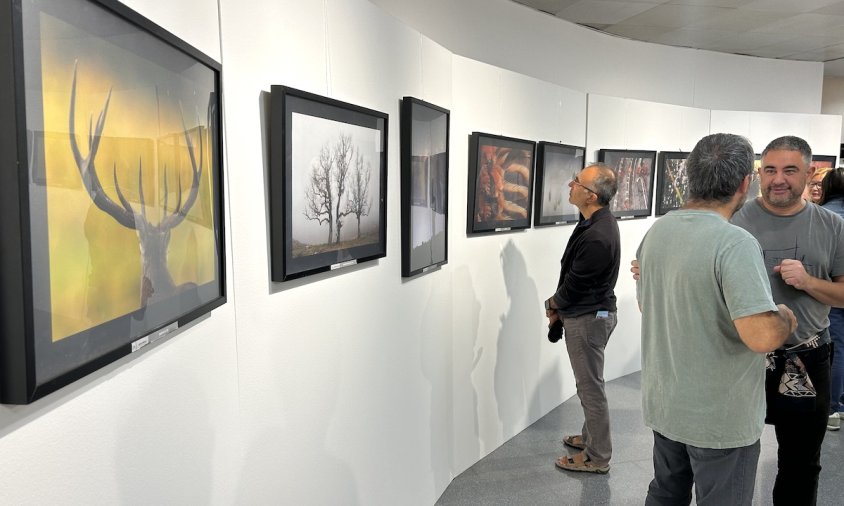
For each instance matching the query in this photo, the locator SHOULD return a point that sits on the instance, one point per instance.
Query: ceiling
(807, 30)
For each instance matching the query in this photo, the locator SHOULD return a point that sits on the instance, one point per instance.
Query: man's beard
(785, 201)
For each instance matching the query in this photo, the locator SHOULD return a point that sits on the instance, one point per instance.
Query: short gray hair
(717, 166)
(604, 183)
(791, 143)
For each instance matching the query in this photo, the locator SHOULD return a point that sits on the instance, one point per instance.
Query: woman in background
(814, 190)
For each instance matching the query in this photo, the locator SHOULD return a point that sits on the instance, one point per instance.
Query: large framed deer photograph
(328, 183)
(111, 230)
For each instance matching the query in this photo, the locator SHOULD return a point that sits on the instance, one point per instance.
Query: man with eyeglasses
(585, 303)
(803, 250)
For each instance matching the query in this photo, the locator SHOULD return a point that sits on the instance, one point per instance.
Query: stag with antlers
(153, 238)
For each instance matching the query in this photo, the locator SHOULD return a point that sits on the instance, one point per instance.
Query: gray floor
(522, 471)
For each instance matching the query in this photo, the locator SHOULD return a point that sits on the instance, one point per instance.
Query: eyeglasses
(578, 183)
(815, 185)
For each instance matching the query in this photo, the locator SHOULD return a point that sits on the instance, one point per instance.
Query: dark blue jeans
(836, 332)
(720, 476)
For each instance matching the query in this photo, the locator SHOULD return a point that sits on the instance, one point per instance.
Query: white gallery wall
(833, 97)
(510, 35)
(358, 386)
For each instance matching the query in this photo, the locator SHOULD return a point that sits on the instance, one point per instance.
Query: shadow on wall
(181, 424)
(517, 364)
(288, 461)
(438, 370)
(467, 356)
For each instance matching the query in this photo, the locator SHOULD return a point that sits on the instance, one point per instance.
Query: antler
(123, 214)
(181, 211)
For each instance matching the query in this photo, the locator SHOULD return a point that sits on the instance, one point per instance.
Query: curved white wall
(512, 36)
(359, 387)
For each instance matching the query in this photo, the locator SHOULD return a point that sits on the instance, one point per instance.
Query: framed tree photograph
(500, 183)
(556, 165)
(672, 181)
(112, 226)
(328, 183)
(634, 172)
(824, 161)
(424, 186)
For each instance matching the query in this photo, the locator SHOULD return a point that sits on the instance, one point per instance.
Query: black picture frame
(634, 171)
(556, 165)
(424, 186)
(824, 161)
(307, 134)
(111, 226)
(672, 181)
(499, 167)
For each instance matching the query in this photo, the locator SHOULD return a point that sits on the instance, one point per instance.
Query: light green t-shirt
(700, 384)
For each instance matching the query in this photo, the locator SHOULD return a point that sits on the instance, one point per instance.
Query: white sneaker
(834, 422)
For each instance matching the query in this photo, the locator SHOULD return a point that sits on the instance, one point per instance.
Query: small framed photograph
(634, 172)
(556, 165)
(755, 189)
(424, 186)
(824, 161)
(500, 183)
(672, 181)
(328, 183)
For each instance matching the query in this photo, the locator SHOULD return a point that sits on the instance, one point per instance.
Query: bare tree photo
(318, 196)
(336, 182)
(343, 153)
(358, 202)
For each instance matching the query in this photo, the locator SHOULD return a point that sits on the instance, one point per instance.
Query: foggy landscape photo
(335, 185)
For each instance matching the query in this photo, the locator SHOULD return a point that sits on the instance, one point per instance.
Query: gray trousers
(720, 477)
(586, 338)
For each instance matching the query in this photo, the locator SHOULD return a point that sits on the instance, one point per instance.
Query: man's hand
(788, 315)
(552, 317)
(634, 268)
(793, 273)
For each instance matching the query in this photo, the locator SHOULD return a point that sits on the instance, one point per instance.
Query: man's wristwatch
(548, 304)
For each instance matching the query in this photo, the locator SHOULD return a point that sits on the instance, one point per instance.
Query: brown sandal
(580, 462)
(575, 442)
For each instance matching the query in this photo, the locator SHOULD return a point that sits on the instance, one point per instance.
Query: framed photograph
(424, 186)
(824, 161)
(672, 181)
(112, 226)
(755, 188)
(556, 165)
(634, 171)
(328, 183)
(500, 183)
